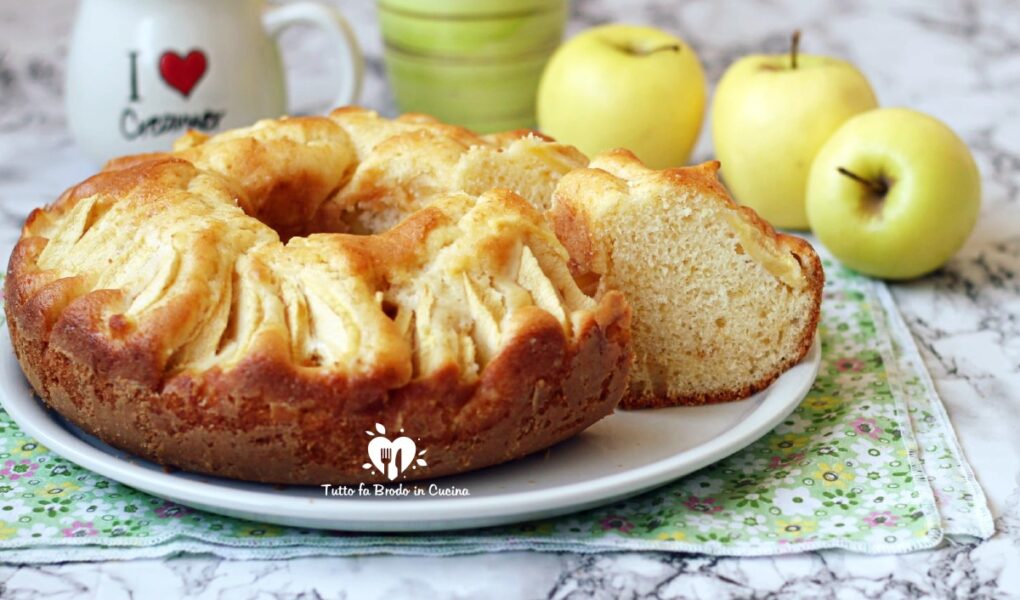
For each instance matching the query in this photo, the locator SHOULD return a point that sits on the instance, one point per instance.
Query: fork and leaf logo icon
(392, 457)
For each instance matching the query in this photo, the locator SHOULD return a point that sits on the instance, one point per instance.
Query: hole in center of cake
(293, 215)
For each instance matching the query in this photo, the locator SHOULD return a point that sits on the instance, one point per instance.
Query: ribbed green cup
(471, 62)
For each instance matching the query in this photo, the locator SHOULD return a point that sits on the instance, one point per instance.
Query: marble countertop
(956, 59)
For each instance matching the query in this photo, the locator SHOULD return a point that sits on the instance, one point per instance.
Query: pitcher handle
(336, 27)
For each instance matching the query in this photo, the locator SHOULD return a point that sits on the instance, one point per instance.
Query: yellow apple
(770, 115)
(894, 193)
(622, 86)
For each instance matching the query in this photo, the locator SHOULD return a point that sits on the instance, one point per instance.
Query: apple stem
(878, 188)
(794, 48)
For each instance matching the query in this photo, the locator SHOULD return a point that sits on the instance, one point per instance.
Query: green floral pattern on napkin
(844, 470)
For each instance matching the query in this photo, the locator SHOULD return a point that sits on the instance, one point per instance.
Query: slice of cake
(722, 304)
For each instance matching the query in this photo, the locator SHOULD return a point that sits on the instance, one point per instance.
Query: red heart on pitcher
(182, 72)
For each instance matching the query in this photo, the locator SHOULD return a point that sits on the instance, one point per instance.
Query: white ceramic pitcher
(142, 72)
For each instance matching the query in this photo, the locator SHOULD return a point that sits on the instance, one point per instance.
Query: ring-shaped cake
(248, 305)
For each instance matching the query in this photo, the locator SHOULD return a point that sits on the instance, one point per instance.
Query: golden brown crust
(267, 421)
(120, 373)
(575, 229)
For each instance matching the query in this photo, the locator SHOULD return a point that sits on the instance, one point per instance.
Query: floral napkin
(868, 462)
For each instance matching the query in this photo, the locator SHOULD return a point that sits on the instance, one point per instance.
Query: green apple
(894, 193)
(622, 86)
(770, 115)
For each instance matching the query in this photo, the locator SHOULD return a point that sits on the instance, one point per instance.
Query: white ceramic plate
(624, 454)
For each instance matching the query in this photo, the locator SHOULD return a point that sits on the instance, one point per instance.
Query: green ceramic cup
(475, 63)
